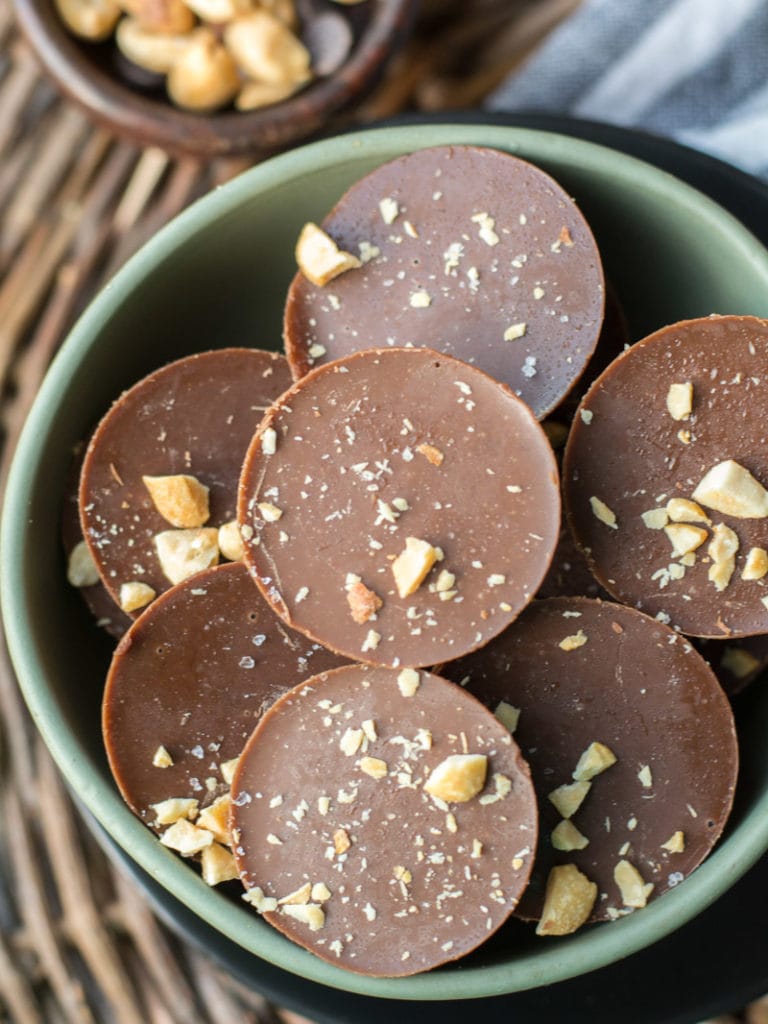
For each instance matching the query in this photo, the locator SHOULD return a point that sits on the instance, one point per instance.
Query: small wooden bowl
(88, 74)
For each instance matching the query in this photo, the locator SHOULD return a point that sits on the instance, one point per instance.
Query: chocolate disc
(665, 472)
(337, 816)
(583, 672)
(469, 251)
(192, 676)
(194, 417)
(402, 507)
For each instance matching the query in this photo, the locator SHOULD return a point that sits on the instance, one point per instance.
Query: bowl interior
(217, 276)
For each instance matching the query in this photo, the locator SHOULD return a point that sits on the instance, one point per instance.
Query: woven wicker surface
(76, 945)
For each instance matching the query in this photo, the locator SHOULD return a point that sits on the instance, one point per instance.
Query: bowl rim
(147, 121)
(595, 947)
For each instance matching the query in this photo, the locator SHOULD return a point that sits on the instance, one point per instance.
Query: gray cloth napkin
(696, 70)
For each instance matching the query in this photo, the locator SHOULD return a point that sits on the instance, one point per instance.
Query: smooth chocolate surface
(381, 447)
(193, 675)
(422, 881)
(640, 689)
(627, 451)
(195, 416)
(471, 244)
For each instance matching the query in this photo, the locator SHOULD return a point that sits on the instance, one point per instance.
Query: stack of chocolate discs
(365, 665)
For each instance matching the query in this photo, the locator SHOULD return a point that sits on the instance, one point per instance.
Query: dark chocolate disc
(194, 417)
(469, 251)
(192, 676)
(581, 672)
(332, 820)
(665, 472)
(385, 462)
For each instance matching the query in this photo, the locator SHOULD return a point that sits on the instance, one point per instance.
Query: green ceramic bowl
(217, 276)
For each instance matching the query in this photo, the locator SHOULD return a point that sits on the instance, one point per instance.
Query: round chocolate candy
(470, 251)
(384, 820)
(160, 472)
(665, 471)
(399, 506)
(630, 740)
(188, 682)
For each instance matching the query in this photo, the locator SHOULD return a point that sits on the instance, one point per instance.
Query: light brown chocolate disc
(393, 451)
(469, 251)
(581, 672)
(332, 820)
(634, 448)
(193, 417)
(192, 676)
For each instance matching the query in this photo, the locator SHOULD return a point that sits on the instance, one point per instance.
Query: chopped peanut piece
(389, 209)
(269, 441)
(269, 513)
(569, 797)
(297, 898)
(181, 499)
(738, 662)
(601, 511)
(341, 841)
(408, 682)
(634, 891)
(680, 401)
(572, 643)
(186, 838)
(217, 864)
(215, 817)
(568, 901)
(350, 742)
(756, 565)
(320, 892)
(412, 565)
(319, 258)
(566, 837)
(675, 843)
(81, 568)
(309, 913)
(373, 766)
(431, 454)
(363, 602)
(231, 541)
(174, 809)
(508, 715)
(595, 759)
(655, 518)
(681, 510)
(722, 550)
(161, 758)
(646, 776)
(257, 899)
(515, 331)
(731, 489)
(458, 778)
(685, 538)
(135, 595)
(182, 553)
(227, 769)
(402, 874)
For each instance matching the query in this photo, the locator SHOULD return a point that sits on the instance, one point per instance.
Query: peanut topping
(81, 568)
(515, 331)
(319, 258)
(217, 864)
(646, 776)
(408, 682)
(722, 550)
(298, 897)
(756, 565)
(675, 843)
(634, 891)
(412, 565)
(363, 603)
(269, 513)
(566, 837)
(161, 758)
(568, 901)
(186, 838)
(738, 662)
(508, 715)
(174, 809)
(731, 489)
(269, 441)
(682, 510)
(572, 643)
(655, 518)
(257, 899)
(182, 553)
(569, 797)
(685, 538)
(680, 401)
(231, 541)
(601, 511)
(309, 913)
(373, 766)
(341, 841)
(227, 769)
(181, 499)
(431, 454)
(215, 818)
(135, 595)
(458, 778)
(595, 759)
